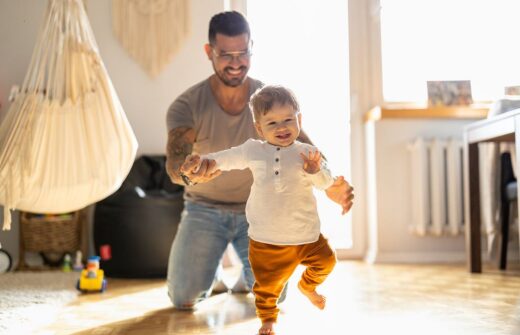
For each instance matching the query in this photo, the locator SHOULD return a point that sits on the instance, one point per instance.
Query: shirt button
(276, 160)
(277, 149)
(276, 172)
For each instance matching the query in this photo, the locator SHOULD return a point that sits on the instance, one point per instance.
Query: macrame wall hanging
(152, 31)
(65, 142)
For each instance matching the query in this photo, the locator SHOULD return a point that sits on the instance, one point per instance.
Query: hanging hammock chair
(65, 142)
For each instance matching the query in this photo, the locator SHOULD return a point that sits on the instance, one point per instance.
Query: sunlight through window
(304, 46)
(473, 40)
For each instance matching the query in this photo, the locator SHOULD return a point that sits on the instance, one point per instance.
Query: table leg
(517, 150)
(472, 206)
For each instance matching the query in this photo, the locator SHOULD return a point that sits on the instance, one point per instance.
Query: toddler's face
(280, 126)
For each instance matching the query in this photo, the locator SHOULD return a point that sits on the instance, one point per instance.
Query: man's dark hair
(230, 23)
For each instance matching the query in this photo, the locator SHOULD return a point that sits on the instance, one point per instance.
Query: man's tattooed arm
(180, 145)
(304, 138)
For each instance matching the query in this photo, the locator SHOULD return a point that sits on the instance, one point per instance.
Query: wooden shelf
(411, 111)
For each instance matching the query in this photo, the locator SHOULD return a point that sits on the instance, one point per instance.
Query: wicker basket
(50, 233)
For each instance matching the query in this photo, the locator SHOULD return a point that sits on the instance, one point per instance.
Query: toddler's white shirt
(281, 208)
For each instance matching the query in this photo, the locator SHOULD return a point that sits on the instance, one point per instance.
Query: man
(211, 116)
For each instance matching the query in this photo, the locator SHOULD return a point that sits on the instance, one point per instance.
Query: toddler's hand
(311, 163)
(199, 170)
(191, 164)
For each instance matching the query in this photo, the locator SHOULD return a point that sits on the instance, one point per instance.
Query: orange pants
(273, 265)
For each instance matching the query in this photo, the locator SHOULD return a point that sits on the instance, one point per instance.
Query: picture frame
(449, 93)
(512, 90)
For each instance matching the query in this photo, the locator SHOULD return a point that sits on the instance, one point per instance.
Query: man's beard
(235, 81)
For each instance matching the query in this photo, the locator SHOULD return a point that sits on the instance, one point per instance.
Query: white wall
(390, 203)
(379, 159)
(144, 99)
(365, 88)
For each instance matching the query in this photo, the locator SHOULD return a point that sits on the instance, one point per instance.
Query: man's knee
(183, 303)
(184, 306)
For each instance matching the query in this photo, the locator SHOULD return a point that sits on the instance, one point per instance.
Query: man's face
(280, 126)
(230, 57)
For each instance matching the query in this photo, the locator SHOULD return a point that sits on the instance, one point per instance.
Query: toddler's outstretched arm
(319, 174)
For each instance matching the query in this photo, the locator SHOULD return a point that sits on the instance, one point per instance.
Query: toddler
(284, 227)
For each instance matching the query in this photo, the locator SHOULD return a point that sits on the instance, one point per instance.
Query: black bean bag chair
(134, 227)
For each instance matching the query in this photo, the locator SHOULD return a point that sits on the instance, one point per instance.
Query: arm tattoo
(180, 145)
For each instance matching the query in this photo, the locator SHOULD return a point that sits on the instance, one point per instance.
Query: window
(473, 40)
(304, 46)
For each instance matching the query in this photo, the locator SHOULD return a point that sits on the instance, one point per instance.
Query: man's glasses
(228, 57)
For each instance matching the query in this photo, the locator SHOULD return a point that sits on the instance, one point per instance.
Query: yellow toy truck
(92, 278)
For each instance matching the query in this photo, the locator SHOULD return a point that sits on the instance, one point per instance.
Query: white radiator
(436, 187)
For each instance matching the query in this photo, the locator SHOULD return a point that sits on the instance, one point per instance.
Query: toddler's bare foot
(316, 299)
(267, 328)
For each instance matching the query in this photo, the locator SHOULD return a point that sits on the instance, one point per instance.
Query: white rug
(31, 300)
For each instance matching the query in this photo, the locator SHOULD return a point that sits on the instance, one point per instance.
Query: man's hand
(199, 171)
(342, 193)
(311, 163)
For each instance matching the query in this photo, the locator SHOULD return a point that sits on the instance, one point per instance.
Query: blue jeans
(201, 240)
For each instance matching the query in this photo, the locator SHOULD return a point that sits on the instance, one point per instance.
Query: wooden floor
(361, 299)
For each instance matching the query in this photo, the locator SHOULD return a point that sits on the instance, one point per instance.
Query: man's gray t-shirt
(215, 130)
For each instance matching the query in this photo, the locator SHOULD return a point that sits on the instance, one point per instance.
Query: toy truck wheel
(77, 286)
(104, 285)
(5, 261)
